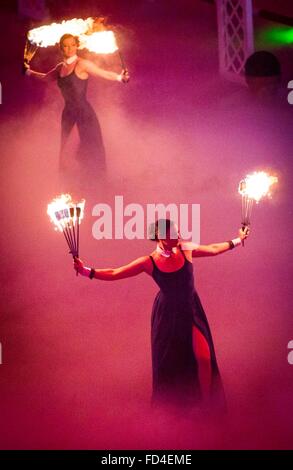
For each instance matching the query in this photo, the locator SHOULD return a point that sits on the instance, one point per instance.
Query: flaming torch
(66, 217)
(252, 189)
(29, 51)
(92, 33)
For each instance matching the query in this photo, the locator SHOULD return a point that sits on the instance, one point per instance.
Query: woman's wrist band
(88, 272)
(92, 273)
(234, 242)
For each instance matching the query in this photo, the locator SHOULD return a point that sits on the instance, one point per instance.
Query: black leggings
(91, 143)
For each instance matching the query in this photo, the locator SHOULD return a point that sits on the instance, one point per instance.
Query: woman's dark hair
(68, 36)
(262, 64)
(162, 226)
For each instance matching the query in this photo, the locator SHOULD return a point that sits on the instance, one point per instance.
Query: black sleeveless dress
(176, 309)
(78, 111)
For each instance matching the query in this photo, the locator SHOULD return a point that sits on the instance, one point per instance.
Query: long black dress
(176, 309)
(78, 111)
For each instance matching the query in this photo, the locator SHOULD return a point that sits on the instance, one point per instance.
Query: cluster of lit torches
(92, 33)
(66, 217)
(253, 188)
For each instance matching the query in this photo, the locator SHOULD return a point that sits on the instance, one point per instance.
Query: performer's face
(69, 47)
(171, 239)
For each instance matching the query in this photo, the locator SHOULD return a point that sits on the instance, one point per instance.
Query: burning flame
(58, 210)
(253, 188)
(63, 211)
(91, 32)
(102, 42)
(80, 210)
(257, 185)
(49, 35)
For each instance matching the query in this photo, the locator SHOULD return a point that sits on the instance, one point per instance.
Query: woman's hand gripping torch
(243, 233)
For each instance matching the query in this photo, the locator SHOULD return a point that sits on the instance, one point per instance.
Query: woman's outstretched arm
(92, 69)
(218, 248)
(49, 76)
(134, 268)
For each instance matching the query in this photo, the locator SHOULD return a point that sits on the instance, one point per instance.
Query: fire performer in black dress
(184, 365)
(72, 78)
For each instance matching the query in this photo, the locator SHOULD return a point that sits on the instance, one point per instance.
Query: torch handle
(123, 66)
(25, 54)
(74, 257)
(243, 228)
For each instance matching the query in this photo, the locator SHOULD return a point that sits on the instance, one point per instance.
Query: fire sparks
(257, 185)
(252, 189)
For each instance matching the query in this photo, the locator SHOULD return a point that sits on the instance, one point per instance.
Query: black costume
(176, 309)
(78, 111)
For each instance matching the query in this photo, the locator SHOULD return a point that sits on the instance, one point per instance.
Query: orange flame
(91, 32)
(102, 42)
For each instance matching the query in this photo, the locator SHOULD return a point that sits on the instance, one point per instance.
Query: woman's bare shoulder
(188, 246)
(148, 264)
(84, 63)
